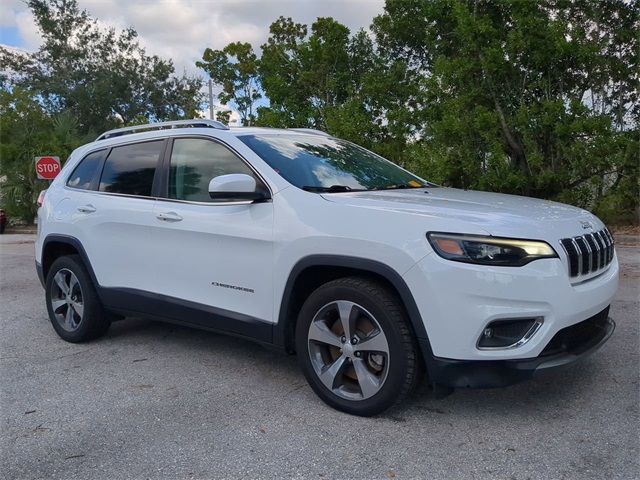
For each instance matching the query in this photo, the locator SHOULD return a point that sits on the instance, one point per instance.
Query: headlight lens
(505, 252)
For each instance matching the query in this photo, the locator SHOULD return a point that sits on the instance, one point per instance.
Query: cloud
(28, 30)
(8, 9)
(182, 29)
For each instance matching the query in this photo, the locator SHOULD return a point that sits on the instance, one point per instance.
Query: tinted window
(83, 174)
(319, 163)
(129, 169)
(194, 162)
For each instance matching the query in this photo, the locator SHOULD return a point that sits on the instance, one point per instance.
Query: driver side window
(194, 162)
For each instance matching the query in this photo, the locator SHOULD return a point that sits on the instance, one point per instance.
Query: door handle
(87, 209)
(169, 217)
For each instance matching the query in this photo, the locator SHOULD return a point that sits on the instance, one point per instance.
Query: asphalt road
(156, 401)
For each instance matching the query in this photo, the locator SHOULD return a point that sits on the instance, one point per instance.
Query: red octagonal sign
(47, 167)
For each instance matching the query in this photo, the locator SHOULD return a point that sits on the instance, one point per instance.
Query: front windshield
(325, 164)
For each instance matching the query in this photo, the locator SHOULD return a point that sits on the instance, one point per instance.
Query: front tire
(72, 302)
(355, 346)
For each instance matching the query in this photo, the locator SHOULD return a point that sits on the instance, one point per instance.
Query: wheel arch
(312, 271)
(55, 246)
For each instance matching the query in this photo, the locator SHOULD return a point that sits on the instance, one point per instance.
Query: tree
(26, 132)
(223, 116)
(535, 98)
(84, 79)
(235, 69)
(336, 81)
(304, 77)
(100, 76)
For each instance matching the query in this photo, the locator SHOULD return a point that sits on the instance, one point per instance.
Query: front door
(214, 256)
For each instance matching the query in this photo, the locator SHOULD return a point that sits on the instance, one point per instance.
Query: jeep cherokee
(293, 238)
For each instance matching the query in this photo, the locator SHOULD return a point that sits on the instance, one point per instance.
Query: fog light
(508, 333)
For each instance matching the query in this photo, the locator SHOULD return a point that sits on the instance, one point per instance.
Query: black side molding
(132, 302)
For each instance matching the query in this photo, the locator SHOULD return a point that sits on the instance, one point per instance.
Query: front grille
(588, 253)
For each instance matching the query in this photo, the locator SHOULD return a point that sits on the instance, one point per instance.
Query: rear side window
(83, 175)
(130, 169)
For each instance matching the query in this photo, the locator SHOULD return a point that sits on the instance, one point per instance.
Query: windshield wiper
(331, 189)
(396, 187)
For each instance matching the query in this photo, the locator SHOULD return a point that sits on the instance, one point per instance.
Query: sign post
(47, 167)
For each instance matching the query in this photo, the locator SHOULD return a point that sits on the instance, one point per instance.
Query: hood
(495, 213)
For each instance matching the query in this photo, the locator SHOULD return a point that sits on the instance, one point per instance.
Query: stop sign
(47, 167)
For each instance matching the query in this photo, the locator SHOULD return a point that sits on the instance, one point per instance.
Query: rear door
(115, 217)
(216, 256)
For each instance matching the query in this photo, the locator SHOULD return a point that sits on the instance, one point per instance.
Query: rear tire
(74, 308)
(371, 368)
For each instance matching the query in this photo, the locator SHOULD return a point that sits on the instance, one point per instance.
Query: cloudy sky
(182, 29)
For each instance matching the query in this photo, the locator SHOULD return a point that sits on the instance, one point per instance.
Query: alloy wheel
(348, 349)
(67, 301)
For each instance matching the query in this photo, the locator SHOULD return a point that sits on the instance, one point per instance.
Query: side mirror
(235, 186)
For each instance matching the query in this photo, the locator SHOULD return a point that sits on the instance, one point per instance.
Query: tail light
(41, 198)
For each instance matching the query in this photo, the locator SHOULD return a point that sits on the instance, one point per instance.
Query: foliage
(29, 132)
(100, 76)
(84, 79)
(532, 98)
(223, 116)
(535, 98)
(235, 69)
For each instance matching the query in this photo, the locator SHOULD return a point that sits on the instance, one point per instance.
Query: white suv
(300, 240)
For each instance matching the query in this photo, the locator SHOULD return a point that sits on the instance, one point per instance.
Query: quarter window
(83, 175)
(129, 169)
(194, 162)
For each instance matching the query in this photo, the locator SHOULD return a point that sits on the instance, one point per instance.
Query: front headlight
(505, 252)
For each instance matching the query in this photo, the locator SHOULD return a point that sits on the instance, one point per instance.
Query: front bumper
(569, 345)
(457, 301)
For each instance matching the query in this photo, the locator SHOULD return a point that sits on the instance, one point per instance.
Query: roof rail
(312, 131)
(196, 122)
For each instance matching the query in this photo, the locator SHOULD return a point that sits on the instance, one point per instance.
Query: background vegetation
(83, 80)
(536, 98)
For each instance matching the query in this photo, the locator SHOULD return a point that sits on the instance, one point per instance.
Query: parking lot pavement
(151, 400)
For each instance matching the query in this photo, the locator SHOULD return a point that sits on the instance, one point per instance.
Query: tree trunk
(515, 148)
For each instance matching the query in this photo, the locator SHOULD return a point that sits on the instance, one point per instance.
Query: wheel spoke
(330, 372)
(78, 307)
(68, 318)
(369, 383)
(56, 304)
(375, 343)
(347, 312)
(61, 281)
(319, 332)
(73, 281)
